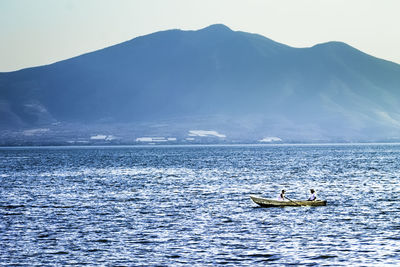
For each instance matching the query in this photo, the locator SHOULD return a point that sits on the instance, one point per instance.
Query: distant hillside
(242, 85)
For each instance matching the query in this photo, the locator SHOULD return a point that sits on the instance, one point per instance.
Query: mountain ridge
(330, 91)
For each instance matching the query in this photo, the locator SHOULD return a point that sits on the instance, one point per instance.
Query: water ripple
(190, 205)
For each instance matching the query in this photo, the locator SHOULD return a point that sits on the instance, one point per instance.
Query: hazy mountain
(242, 85)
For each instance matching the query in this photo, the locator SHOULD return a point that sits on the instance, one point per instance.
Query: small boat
(265, 202)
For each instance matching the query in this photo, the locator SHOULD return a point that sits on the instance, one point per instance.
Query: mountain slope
(245, 85)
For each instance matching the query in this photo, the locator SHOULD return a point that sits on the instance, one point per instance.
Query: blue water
(190, 205)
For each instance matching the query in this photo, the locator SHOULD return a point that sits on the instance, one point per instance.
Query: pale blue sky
(38, 32)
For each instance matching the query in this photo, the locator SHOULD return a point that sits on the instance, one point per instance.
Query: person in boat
(312, 196)
(281, 196)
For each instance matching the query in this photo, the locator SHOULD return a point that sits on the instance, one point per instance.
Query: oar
(293, 201)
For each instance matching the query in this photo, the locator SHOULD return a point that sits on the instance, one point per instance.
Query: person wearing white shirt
(313, 195)
(281, 196)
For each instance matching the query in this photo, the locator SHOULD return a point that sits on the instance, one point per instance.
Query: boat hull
(265, 202)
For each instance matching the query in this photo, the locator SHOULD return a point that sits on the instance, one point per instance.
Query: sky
(41, 32)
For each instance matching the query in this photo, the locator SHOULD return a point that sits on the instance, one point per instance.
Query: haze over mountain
(243, 86)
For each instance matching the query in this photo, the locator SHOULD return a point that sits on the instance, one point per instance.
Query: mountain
(240, 85)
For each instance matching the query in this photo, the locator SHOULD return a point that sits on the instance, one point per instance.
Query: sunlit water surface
(191, 205)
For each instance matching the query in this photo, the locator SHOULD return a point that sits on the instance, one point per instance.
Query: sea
(190, 205)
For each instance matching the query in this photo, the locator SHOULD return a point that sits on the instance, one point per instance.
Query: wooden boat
(265, 202)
